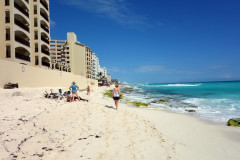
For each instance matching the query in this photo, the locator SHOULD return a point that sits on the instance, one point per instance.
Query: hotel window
(36, 34)
(8, 51)
(7, 16)
(36, 60)
(34, 0)
(7, 33)
(6, 2)
(35, 9)
(36, 47)
(35, 22)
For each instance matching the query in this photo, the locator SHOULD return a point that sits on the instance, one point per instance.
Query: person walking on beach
(115, 94)
(88, 90)
(74, 89)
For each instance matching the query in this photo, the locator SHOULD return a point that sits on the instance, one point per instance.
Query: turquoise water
(217, 101)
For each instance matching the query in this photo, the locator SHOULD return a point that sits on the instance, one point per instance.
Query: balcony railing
(7, 19)
(44, 4)
(22, 57)
(44, 28)
(45, 52)
(45, 40)
(7, 36)
(46, 64)
(45, 17)
(20, 24)
(22, 41)
(21, 9)
(8, 54)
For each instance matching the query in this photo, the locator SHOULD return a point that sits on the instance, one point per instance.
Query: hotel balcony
(45, 49)
(18, 4)
(22, 57)
(44, 28)
(44, 16)
(22, 38)
(45, 52)
(22, 41)
(44, 3)
(22, 54)
(46, 64)
(44, 40)
(22, 25)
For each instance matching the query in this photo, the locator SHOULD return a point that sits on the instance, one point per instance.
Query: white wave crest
(182, 85)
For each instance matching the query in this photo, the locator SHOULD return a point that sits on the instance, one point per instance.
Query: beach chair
(54, 95)
(61, 95)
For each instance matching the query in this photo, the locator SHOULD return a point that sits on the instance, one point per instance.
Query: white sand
(33, 127)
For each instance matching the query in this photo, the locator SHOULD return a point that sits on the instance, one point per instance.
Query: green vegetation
(234, 122)
(138, 104)
(190, 110)
(109, 94)
(128, 88)
(163, 100)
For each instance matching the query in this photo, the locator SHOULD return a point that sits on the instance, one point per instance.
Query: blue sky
(156, 41)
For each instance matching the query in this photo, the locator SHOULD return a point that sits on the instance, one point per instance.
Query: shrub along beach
(35, 127)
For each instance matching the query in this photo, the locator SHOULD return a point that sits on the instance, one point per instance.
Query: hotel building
(25, 32)
(95, 66)
(88, 62)
(109, 78)
(76, 58)
(104, 71)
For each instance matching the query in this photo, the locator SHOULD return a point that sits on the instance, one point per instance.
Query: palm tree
(99, 74)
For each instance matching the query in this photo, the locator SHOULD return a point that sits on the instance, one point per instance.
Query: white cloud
(115, 70)
(52, 23)
(216, 67)
(161, 68)
(150, 68)
(118, 10)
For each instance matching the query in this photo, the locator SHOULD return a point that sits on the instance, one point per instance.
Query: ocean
(216, 101)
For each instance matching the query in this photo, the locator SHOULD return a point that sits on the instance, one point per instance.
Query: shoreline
(96, 130)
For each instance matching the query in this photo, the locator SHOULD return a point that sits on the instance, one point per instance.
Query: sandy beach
(33, 127)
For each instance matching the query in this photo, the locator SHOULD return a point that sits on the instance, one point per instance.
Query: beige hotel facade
(25, 32)
(76, 58)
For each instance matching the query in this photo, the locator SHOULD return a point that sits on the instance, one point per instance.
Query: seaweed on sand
(138, 104)
(109, 94)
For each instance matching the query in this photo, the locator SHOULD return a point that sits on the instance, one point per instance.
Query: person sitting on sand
(88, 90)
(67, 93)
(74, 89)
(70, 99)
(115, 94)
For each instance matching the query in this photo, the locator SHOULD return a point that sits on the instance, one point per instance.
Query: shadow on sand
(110, 107)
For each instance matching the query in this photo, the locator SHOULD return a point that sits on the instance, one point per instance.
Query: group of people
(74, 95)
(115, 94)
